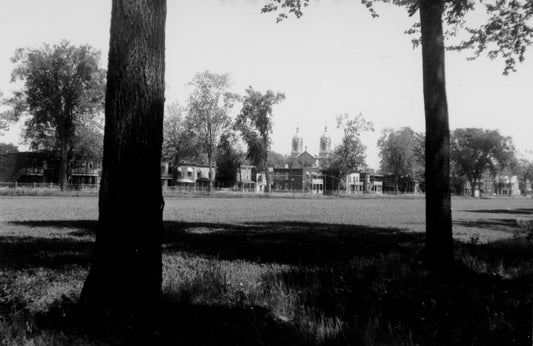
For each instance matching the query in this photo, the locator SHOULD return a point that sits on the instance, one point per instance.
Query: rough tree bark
(124, 283)
(439, 241)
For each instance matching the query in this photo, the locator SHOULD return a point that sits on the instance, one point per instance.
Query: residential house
(353, 183)
(193, 174)
(298, 179)
(246, 178)
(372, 183)
(43, 168)
(406, 184)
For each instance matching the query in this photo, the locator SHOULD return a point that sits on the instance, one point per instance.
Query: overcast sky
(335, 59)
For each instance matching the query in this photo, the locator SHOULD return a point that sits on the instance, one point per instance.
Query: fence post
(81, 186)
(34, 185)
(15, 185)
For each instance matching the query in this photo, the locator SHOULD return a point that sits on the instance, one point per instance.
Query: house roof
(303, 160)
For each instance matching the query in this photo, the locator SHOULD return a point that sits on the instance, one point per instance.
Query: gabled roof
(303, 160)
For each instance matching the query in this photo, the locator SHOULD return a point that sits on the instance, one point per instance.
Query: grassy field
(253, 271)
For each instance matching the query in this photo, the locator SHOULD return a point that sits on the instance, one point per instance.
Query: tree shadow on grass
(178, 324)
(265, 242)
(505, 225)
(81, 227)
(69, 243)
(299, 243)
(369, 278)
(34, 252)
(518, 211)
(392, 299)
(191, 324)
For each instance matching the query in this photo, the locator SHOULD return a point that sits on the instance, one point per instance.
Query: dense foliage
(63, 95)
(208, 106)
(401, 154)
(350, 153)
(180, 142)
(476, 151)
(229, 159)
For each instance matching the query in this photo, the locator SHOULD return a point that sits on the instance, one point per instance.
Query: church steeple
(297, 144)
(325, 144)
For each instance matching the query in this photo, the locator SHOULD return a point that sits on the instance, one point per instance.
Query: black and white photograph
(266, 172)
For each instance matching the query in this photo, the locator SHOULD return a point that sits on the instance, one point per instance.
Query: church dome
(325, 144)
(297, 144)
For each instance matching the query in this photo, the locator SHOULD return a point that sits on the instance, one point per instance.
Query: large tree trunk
(124, 283)
(439, 239)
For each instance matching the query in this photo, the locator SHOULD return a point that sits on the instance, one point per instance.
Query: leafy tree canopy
(506, 33)
(229, 159)
(255, 123)
(180, 142)
(208, 109)
(475, 151)
(400, 152)
(277, 160)
(63, 91)
(350, 153)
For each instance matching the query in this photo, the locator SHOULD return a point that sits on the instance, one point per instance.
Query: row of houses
(300, 174)
(490, 185)
(43, 168)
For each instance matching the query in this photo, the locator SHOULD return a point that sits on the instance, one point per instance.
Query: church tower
(325, 145)
(297, 144)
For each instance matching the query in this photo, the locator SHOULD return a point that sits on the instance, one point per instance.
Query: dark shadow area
(178, 324)
(220, 325)
(519, 211)
(298, 243)
(34, 252)
(370, 278)
(505, 225)
(82, 227)
(398, 303)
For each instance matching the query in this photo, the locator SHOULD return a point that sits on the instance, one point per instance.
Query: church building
(302, 172)
(302, 158)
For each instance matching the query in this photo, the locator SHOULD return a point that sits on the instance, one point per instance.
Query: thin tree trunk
(63, 167)
(123, 287)
(267, 176)
(439, 240)
(210, 188)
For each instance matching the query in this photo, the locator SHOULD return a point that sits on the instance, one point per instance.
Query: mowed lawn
(251, 271)
(489, 219)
